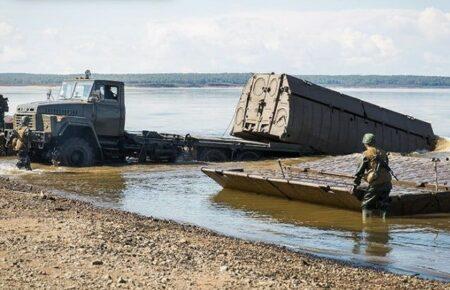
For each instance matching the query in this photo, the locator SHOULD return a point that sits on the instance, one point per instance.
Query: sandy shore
(52, 242)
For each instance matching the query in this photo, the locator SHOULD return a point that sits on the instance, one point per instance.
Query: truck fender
(83, 130)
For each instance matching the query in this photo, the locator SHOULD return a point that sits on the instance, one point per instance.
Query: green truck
(85, 126)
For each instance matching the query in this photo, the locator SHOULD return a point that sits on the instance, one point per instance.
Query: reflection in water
(319, 216)
(103, 182)
(373, 240)
(389, 244)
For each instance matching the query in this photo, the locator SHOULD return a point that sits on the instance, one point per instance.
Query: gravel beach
(51, 242)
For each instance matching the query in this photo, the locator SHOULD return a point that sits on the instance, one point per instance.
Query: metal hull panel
(419, 202)
(282, 108)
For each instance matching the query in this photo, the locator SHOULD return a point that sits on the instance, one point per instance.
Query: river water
(182, 193)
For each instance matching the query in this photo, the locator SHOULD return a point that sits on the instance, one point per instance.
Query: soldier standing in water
(374, 169)
(21, 144)
(2, 144)
(3, 109)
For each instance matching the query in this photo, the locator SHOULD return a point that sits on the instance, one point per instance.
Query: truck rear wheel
(213, 155)
(76, 152)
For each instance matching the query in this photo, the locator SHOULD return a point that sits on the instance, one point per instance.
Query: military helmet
(368, 139)
(25, 120)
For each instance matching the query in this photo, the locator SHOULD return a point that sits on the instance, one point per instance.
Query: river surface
(182, 193)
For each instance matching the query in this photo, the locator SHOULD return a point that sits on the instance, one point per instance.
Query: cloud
(50, 33)
(5, 29)
(11, 54)
(10, 49)
(434, 24)
(321, 42)
(297, 42)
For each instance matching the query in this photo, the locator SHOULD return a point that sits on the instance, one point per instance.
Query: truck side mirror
(49, 94)
(95, 96)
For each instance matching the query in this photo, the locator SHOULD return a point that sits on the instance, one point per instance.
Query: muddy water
(182, 193)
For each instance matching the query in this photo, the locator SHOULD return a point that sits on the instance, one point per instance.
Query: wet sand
(48, 241)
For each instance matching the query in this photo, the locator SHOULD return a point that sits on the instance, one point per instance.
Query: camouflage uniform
(21, 144)
(3, 109)
(2, 144)
(374, 169)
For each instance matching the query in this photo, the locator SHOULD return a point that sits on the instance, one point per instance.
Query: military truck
(85, 125)
(277, 115)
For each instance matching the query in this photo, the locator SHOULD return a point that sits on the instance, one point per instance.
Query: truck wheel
(76, 152)
(213, 155)
(248, 156)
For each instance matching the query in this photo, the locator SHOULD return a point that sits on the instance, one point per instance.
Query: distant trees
(229, 79)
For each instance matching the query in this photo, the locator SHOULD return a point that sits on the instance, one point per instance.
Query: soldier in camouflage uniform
(2, 144)
(3, 109)
(21, 144)
(374, 169)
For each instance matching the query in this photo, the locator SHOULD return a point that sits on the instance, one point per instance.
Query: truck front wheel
(76, 152)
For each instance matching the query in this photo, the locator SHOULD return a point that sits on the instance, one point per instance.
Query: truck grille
(18, 118)
(60, 111)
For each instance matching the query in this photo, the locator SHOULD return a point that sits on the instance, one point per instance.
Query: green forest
(229, 79)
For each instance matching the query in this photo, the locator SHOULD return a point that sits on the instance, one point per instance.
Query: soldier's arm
(361, 170)
(9, 140)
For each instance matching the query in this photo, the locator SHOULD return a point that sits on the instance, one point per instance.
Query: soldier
(2, 144)
(3, 109)
(21, 144)
(375, 170)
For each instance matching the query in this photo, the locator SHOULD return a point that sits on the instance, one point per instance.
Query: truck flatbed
(164, 146)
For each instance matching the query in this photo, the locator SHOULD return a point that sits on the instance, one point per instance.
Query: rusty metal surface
(330, 191)
(329, 181)
(282, 108)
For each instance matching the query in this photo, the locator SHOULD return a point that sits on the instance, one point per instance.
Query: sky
(162, 36)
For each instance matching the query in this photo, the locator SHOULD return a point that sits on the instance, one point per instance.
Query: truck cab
(100, 101)
(84, 117)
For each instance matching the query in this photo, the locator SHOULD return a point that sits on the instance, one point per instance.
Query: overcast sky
(148, 36)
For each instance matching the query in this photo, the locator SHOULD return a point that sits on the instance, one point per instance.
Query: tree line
(228, 79)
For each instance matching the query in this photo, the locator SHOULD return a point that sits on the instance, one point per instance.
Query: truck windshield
(76, 90)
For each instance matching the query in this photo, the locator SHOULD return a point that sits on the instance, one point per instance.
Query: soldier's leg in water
(27, 162)
(368, 203)
(23, 160)
(384, 201)
(19, 163)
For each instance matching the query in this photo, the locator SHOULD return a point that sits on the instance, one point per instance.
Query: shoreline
(53, 242)
(224, 86)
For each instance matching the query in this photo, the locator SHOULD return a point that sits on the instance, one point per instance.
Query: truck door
(108, 109)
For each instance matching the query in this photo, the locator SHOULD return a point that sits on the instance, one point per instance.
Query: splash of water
(442, 145)
(8, 168)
